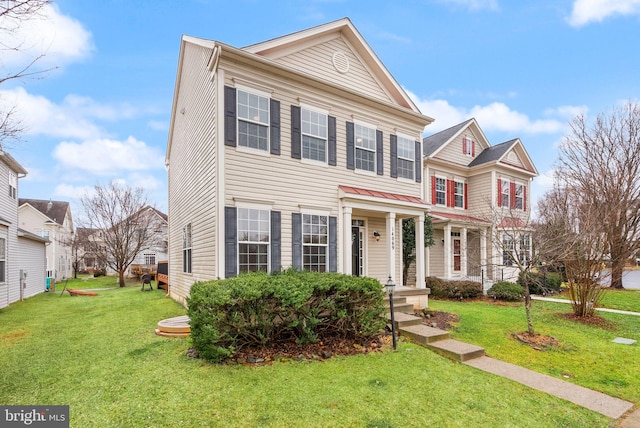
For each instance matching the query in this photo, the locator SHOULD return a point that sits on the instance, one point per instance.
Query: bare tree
(13, 14)
(601, 161)
(569, 220)
(125, 222)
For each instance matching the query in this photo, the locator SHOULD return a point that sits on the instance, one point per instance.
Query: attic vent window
(341, 62)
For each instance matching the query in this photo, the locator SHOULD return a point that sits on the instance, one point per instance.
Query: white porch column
(346, 241)
(463, 251)
(447, 251)
(391, 246)
(483, 251)
(420, 260)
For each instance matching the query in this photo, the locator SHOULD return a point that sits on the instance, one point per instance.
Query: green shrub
(445, 289)
(505, 290)
(258, 309)
(541, 282)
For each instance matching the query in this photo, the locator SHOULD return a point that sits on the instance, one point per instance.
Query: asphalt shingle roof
(493, 153)
(433, 142)
(56, 212)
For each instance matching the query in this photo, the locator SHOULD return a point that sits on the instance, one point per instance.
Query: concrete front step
(402, 320)
(456, 350)
(422, 334)
(406, 308)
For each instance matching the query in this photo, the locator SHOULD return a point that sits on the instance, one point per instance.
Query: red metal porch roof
(384, 195)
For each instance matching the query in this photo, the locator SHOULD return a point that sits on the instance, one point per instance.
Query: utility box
(51, 285)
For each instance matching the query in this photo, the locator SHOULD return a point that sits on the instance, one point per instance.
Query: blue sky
(521, 68)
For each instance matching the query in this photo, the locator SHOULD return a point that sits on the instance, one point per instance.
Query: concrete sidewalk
(592, 400)
(614, 311)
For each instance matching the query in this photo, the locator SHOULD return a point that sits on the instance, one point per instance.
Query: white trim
(314, 107)
(251, 87)
(220, 178)
(358, 121)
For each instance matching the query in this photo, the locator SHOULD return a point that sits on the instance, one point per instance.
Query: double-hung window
(524, 250)
(149, 258)
(406, 158)
(507, 250)
(253, 120)
(458, 194)
(519, 196)
(441, 191)
(254, 227)
(315, 240)
(505, 193)
(467, 146)
(3, 259)
(365, 145)
(13, 185)
(314, 135)
(186, 248)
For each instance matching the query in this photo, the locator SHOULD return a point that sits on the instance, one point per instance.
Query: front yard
(99, 355)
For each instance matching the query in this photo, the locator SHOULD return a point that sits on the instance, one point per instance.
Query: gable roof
(54, 210)
(280, 46)
(494, 153)
(12, 163)
(435, 141)
(499, 153)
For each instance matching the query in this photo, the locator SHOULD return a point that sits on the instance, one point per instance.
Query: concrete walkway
(592, 400)
(613, 311)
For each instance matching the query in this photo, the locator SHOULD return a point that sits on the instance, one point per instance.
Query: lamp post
(389, 287)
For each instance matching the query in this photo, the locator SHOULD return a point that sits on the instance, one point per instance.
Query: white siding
(480, 201)
(192, 173)
(9, 212)
(32, 261)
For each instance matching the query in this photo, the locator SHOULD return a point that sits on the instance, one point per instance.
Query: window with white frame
(406, 158)
(186, 248)
(507, 250)
(524, 249)
(441, 191)
(13, 186)
(315, 240)
(3, 259)
(458, 194)
(365, 145)
(149, 258)
(254, 227)
(253, 120)
(505, 193)
(43, 234)
(467, 146)
(519, 201)
(314, 135)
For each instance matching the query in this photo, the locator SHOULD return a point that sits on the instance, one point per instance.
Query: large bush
(446, 289)
(506, 290)
(541, 282)
(258, 309)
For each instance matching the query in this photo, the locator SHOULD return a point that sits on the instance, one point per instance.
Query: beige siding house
(22, 254)
(300, 151)
(480, 203)
(51, 220)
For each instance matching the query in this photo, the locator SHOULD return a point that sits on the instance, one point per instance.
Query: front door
(357, 250)
(456, 255)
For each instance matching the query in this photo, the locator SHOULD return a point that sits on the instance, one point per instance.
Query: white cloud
(587, 11)
(60, 38)
(106, 157)
(474, 4)
(67, 191)
(567, 112)
(72, 118)
(491, 117)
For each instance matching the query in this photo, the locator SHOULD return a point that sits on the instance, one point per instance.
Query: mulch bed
(438, 319)
(539, 342)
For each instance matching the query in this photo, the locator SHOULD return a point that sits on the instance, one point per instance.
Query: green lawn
(99, 355)
(625, 300)
(585, 356)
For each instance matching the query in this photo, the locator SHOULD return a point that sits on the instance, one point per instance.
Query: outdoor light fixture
(376, 235)
(389, 287)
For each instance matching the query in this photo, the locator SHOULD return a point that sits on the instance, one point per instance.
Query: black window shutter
(229, 116)
(332, 157)
(296, 133)
(394, 156)
(275, 127)
(231, 244)
(379, 152)
(333, 244)
(418, 165)
(350, 146)
(296, 240)
(276, 241)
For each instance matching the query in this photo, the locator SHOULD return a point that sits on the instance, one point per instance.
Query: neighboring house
(300, 151)
(480, 203)
(22, 254)
(51, 220)
(159, 246)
